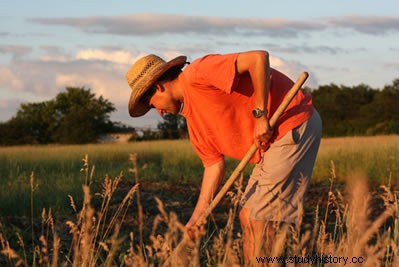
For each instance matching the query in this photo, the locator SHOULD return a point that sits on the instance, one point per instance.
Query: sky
(46, 46)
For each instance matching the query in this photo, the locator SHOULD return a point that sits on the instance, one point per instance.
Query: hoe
(177, 253)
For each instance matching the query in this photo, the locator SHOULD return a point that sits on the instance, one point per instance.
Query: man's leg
(252, 236)
(258, 236)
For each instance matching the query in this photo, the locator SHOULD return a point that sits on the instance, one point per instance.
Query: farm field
(42, 184)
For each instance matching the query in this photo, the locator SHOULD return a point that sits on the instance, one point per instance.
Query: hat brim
(136, 108)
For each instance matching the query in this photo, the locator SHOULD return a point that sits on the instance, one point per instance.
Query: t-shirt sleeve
(207, 155)
(205, 149)
(217, 71)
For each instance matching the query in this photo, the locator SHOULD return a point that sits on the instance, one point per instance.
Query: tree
(173, 127)
(148, 134)
(36, 120)
(383, 111)
(341, 108)
(79, 117)
(29, 126)
(327, 101)
(74, 116)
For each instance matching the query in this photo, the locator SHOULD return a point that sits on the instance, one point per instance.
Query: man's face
(162, 100)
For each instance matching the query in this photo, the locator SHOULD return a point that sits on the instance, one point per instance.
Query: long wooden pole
(243, 163)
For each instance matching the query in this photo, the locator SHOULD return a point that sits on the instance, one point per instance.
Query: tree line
(77, 116)
(358, 110)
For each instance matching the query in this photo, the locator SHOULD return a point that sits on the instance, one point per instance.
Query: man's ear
(159, 87)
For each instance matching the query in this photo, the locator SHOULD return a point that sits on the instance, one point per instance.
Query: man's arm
(213, 176)
(256, 63)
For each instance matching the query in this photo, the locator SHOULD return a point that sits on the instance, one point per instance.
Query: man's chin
(171, 113)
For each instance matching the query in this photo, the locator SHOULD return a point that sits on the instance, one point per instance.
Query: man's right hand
(192, 230)
(262, 133)
(212, 178)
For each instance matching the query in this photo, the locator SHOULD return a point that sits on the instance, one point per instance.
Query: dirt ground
(181, 198)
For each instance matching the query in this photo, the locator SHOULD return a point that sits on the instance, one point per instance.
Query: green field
(37, 179)
(58, 169)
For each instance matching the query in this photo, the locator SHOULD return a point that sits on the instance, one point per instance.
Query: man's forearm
(212, 178)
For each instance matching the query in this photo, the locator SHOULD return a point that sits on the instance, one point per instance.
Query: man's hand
(262, 132)
(210, 183)
(192, 230)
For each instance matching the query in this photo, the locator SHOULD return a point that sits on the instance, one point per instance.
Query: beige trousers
(278, 183)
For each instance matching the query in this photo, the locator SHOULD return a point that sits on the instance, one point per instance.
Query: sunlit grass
(56, 167)
(376, 157)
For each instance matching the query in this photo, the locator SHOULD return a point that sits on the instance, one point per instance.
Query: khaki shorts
(278, 183)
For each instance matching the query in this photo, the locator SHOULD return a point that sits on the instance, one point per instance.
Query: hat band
(143, 71)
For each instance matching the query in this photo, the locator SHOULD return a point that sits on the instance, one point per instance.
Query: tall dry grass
(357, 222)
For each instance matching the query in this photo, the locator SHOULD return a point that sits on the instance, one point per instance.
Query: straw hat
(142, 75)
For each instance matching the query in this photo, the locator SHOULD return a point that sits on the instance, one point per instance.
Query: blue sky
(48, 45)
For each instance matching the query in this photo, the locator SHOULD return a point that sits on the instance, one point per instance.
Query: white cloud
(169, 55)
(293, 69)
(9, 79)
(120, 57)
(110, 85)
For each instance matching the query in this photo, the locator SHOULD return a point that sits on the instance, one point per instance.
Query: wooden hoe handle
(243, 163)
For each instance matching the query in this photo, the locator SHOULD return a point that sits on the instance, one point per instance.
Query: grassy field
(57, 169)
(376, 157)
(33, 178)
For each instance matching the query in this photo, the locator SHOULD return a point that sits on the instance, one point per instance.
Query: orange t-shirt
(218, 105)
